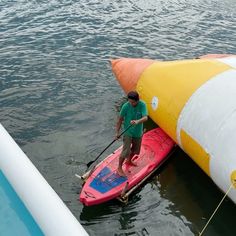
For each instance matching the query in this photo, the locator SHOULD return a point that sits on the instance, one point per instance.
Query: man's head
(133, 98)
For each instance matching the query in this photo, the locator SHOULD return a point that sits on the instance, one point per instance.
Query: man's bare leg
(120, 170)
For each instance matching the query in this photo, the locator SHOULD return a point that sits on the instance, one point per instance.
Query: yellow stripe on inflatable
(167, 80)
(198, 154)
(233, 178)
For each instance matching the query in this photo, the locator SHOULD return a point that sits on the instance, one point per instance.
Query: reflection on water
(59, 100)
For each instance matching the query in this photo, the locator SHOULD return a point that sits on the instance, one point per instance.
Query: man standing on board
(133, 112)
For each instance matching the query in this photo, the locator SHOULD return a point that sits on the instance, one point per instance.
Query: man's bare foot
(130, 162)
(120, 172)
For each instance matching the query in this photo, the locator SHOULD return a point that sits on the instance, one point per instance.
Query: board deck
(105, 184)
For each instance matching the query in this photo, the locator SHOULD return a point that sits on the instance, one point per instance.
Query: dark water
(59, 100)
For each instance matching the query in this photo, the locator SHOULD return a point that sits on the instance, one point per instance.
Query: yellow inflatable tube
(194, 101)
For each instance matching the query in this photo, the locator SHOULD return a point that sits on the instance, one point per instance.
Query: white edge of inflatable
(48, 210)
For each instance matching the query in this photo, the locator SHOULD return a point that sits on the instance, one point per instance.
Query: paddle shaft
(91, 162)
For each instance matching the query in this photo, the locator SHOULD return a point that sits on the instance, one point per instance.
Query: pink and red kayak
(105, 184)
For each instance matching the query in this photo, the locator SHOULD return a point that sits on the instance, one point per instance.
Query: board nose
(128, 71)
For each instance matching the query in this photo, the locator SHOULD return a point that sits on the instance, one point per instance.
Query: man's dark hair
(133, 95)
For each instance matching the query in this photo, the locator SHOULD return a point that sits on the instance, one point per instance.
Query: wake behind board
(105, 184)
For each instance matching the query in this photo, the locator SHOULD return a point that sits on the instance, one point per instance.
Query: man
(133, 112)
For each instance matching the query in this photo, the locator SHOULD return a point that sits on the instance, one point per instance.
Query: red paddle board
(105, 184)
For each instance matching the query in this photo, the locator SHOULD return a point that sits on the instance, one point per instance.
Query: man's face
(133, 102)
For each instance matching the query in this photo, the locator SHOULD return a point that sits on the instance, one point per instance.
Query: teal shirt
(128, 113)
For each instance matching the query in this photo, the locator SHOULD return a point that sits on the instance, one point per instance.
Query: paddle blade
(90, 163)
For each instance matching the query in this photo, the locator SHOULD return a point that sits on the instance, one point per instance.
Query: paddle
(91, 162)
